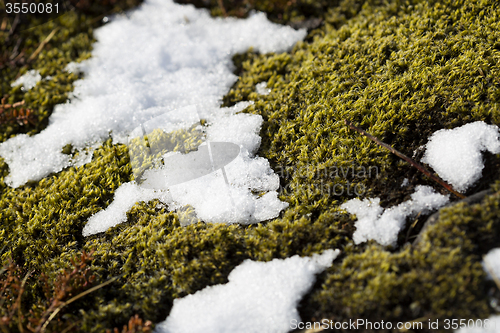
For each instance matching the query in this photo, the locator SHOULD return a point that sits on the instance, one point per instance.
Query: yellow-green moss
(440, 277)
(391, 75)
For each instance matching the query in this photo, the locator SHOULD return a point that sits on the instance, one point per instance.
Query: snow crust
(126, 196)
(383, 225)
(213, 200)
(259, 297)
(262, 88)
(28, 80)
(491, 263)
(160, 58)
(456, 154)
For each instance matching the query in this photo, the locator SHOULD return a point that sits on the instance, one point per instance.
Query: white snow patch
(126, 196)
(456, 154)
(491, 263)
(259, 297)
(28, 80)
(262, 88)
(75, 67)
(166, 66)
(160, 58)
(214, 201)
(383, 226)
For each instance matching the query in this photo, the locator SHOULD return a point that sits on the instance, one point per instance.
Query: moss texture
(439, 278)
(399, 69)
(299, 13)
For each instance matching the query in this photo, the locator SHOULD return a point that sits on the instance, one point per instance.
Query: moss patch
(388, 73)
(439, 278)
(301, 13)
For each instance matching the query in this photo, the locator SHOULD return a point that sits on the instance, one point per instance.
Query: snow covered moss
(42, 225)
(71, 42)
(390, 73)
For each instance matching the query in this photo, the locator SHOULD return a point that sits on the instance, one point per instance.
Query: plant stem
(420, 167)
(86, 292)
(221, 6)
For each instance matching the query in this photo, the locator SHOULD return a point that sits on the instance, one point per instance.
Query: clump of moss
(161, 261)
(300, 13)
(438, 278)
(387, 72)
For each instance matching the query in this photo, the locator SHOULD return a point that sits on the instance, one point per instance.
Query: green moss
(295, 13)
(400, 70)
(161, 260)
(388, 73)
(440, 277)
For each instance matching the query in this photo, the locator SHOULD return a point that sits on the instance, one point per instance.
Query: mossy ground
(399, 69)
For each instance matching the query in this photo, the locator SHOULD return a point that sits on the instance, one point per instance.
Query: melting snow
(491, 263)
(163, 58)
(383, 226)
(125, 198)
(213, 200)
(28, 80)
(262, 88)
(456, 154)
(259, 297)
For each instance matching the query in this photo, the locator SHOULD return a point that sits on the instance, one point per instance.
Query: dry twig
(420, 167)
(221, 5)
(11, 113)
(42, 45)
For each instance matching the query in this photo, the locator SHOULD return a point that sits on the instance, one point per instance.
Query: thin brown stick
(14, 25)
(19, 314)
(69, 328)
(86, 292)
(42, 45)
(221, 5)
(15, 52)
(420, 167)
(3, 26)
